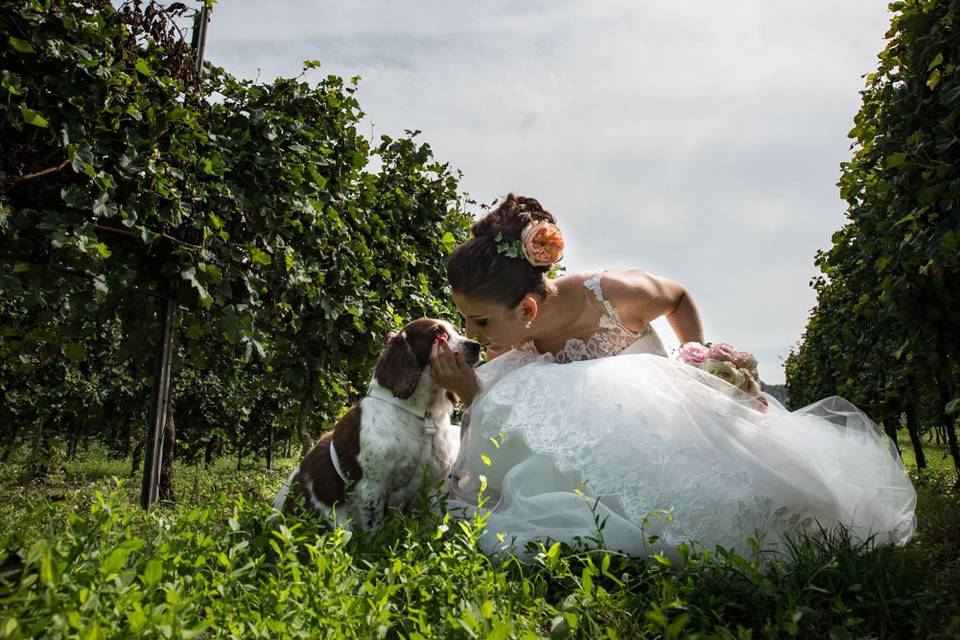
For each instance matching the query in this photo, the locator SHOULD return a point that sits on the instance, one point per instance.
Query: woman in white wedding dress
(638, 452)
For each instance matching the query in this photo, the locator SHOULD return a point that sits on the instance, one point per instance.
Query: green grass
(939, 461)
(79, 559)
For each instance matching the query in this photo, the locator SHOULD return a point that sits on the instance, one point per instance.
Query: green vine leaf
(20, 45)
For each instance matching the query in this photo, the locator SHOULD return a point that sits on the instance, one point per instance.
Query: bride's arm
(685, 320)
(640, 297)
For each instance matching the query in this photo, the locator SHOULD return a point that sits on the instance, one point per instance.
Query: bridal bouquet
(739, 368)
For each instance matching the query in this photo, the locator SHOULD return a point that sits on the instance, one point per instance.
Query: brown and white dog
(375, 456)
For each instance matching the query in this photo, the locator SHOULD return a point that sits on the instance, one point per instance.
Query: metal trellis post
(160, 395)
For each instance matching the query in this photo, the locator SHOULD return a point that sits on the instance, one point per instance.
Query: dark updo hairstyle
(478, 270)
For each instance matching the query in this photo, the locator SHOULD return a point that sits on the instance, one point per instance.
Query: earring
(528, 324)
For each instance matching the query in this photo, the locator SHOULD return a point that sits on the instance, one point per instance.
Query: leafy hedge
(886, 329)
(286, 238)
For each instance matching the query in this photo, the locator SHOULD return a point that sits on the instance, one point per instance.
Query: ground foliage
(79, 559)
(290, 242)
(886, 329)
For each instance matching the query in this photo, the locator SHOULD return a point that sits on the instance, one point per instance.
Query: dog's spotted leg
(372, 505)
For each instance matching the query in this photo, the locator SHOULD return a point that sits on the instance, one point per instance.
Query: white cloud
(699, 140)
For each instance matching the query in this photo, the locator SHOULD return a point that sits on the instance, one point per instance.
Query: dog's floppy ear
(397, 369)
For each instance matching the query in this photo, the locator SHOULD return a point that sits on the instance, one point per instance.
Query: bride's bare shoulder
(615, 283)
(639, 295)
(570, 281)
(627, 281)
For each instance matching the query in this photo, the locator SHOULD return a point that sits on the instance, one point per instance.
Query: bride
(639, 452)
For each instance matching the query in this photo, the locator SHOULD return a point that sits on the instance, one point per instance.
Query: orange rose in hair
(542, 243)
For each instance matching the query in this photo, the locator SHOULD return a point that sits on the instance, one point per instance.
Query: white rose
(725, 371)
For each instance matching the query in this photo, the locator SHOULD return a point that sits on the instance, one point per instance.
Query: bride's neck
(556, 316)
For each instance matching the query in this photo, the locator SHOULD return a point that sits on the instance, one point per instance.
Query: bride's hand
(452, 373)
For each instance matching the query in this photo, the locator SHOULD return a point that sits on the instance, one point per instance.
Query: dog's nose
(473, 351)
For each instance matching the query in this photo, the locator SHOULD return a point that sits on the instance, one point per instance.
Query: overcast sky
(699, 140)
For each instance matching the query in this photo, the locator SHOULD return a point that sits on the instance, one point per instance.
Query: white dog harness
(384, 395)
(335, 459)
(378, 392)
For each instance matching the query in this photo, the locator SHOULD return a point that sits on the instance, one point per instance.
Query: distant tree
(886, 329)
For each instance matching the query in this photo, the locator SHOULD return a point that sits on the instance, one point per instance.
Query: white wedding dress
(640, 453)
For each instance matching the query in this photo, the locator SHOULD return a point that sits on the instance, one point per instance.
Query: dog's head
(407, 354)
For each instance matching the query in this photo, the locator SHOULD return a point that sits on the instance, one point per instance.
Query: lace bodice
(611, 337)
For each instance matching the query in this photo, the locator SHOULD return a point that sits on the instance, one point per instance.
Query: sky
(700, 141)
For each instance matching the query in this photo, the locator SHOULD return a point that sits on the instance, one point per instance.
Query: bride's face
(493, 325)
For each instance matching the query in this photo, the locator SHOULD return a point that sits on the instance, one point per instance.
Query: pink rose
(542, 243)
(693, 353)
(721, 352)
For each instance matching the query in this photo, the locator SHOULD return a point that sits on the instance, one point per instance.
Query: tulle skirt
(639, 453)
